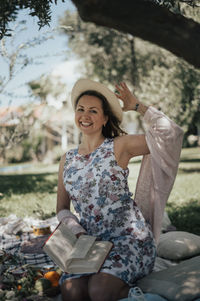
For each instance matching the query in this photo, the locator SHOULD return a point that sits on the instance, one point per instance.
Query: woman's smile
(85, 124)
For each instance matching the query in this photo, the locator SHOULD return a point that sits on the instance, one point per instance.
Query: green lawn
(33, 192)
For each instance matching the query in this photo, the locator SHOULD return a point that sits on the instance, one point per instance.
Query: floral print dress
(99, 192)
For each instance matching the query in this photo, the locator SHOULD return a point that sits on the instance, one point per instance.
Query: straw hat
(83, 85)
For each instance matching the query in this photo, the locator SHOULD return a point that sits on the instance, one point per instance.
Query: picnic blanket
(17, 238)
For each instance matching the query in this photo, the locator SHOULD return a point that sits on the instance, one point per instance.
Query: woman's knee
(73, 290)
(97, 292)
(104, 287)
(69, 293)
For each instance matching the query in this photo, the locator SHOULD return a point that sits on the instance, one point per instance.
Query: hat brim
(83, 85)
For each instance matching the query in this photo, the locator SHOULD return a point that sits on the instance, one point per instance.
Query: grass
(187, 184)
(28, 194)
(33, 192)
(183, 205)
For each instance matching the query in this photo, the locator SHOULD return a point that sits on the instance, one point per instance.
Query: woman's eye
(80, 110)
(93, 111)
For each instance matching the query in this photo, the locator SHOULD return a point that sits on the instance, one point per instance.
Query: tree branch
(148, 21)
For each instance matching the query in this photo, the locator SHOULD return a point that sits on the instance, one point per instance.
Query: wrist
(136, 106)
(65, 213)
(140, 108)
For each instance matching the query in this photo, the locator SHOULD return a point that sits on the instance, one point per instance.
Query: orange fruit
(53, 277)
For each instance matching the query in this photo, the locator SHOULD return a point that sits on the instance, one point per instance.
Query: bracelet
(136, 106)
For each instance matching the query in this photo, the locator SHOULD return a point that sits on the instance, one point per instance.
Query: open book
(76, 255)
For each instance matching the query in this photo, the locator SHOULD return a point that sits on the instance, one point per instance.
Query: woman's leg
(75, 289)
(106, 287)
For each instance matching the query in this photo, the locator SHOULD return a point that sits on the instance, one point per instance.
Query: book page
(67, 233)
(59, 245)
(57, 250)
(82, 246)
(93, 260)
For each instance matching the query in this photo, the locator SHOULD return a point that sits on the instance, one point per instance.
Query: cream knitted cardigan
(159, 168)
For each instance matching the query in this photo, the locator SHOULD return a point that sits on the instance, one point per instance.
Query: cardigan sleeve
(159, 168)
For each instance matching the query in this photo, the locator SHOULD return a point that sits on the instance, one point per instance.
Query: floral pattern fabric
(98, 189)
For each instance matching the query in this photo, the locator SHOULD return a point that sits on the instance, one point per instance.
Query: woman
(94, 178)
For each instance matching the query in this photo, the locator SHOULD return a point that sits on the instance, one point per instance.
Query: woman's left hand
(126, 96)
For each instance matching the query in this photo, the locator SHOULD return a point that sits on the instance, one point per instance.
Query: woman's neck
(89, 144)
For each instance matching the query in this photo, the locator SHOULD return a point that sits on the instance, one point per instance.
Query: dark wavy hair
(112, 128)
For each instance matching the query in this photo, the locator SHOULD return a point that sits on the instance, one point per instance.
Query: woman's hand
(129, 100)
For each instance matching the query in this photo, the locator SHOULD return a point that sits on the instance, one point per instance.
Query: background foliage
(156, 76)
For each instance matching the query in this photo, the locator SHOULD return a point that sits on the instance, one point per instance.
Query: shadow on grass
(190, 160)
(185, 217)
(188, 170)
(27, 183)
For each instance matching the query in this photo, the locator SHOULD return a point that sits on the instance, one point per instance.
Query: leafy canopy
(162, 79)
(42, 9)
(9, 10)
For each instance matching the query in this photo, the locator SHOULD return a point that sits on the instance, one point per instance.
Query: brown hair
(112, 128)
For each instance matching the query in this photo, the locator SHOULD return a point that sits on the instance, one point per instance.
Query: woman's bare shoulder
(122, 141)
(131, 145)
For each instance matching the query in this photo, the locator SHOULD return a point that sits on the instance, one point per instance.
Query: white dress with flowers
(99, 192)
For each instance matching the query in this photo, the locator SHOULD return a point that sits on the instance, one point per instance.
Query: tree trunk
(134, 71)
(148, 21)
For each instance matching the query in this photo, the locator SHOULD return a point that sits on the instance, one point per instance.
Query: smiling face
(89, 115)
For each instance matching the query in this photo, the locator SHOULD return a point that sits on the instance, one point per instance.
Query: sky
(48, 57)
